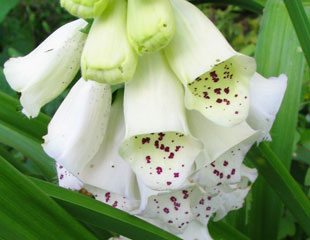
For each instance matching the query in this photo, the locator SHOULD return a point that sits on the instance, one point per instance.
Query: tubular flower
(215, 77)
(151, 24)
(158, 144)
(45, 72)
(85, 8)
(108, 56)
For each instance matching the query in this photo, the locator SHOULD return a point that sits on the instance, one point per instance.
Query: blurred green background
(25, 24)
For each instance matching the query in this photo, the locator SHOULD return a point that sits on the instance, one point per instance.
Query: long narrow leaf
(28, 213)
(103, 216)
(275, 173)
(221, 230)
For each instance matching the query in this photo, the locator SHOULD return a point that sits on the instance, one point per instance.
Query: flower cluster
(168, 148)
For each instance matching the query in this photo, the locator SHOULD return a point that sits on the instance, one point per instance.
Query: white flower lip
(44, 73)
(215, 77)
(158, 144)
(150, 24)
(108, 56)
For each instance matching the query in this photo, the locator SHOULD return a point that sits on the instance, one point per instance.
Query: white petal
(266, 99)
(226, 169)
(78, 127)
(112, 199)
(67, 180)
(215, 77)
(158, 144)
(44, 73)
(107, 170)
(150, 24)
(217, 139)
(108, 56)
(195, 231)
(85, 9)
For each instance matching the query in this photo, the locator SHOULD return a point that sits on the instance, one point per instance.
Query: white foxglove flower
(67, 180)
(108, 56)
(150, 25)
(78, 127)
(158, 144)
(215, 77)
(45, 72)
(85, 9)
(266, 98)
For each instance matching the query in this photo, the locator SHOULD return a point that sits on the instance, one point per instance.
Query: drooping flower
(215, 77)
(158, 144)
(150, 24)
(108, 56)
(45, 72)
(85, 9)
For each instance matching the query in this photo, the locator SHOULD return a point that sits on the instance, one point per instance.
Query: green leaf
(223, 231)
(30, 147)
(278, 51)
(301, 24)
(101, 215)
(277, 176)
(28, 213)
(6, 6)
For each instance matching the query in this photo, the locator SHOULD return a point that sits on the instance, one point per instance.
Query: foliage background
(29, 22)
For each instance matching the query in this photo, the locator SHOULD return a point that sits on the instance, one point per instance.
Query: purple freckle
(60, 167)
(162, 146)
(198, 215)
(166, 210)
(228, 176)
(236, 112)
(186, 212)
(207, 216)
(245, 97)
(219, 100)
(233, 171)
(146, 140)
(225, 163)
(236, 95)
(182, 165)
(212, 164)
(214, 76)
(226, 90)
(202, 201)
(217, 90)
(171, 155)
(205, 95)
(169, 183)
(61, 177)
(170, 221)
(156, 144)
(221, 175)
(159, 170)
(148, 159)
(176, 175)
(208, 208)
(173, 199)
(177, 148)
(161, 136)
(115, 204)
(209, 198)
(167, 149)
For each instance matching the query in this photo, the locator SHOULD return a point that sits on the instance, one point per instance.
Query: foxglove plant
(169, 148)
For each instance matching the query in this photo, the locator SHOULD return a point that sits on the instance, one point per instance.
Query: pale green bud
(151, 24)
(108, 56)
(85, 8)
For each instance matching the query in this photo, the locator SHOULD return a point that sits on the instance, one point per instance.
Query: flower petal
(67, 180)
(226, 169)
(195, 231)
(78, 127)
(266, 99)
(108, 56)
(215, 77)
(107, 170)
(85, 9)
(150, 25)
(217, 139)
(158, 144)
(44, 73)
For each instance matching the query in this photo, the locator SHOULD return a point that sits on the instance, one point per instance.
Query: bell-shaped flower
(78, 127)
(108, 56)
(158, 144)
(215, 77)
(151, 24)
(266, 98)
(85, 9)
(45, 72)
